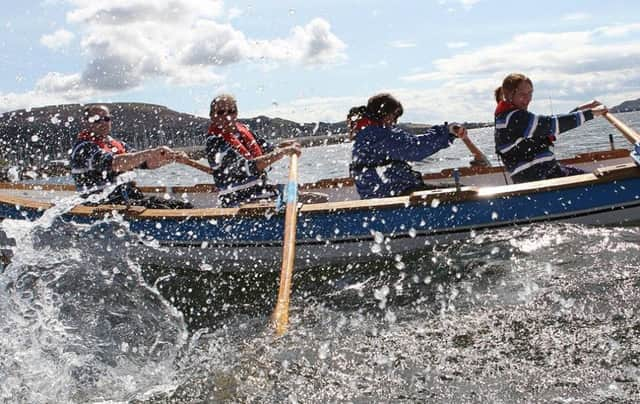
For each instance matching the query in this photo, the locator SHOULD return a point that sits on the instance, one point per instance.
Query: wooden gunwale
(448, 195)
(331, 182)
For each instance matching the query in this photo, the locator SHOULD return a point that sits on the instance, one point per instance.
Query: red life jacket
(504, 106)
(108, 144)
(363, 123)
(246, 145)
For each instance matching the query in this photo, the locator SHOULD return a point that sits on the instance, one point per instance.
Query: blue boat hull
(339, 232)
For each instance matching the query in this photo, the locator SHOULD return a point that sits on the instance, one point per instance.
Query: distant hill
(627, 106)
(35, 136)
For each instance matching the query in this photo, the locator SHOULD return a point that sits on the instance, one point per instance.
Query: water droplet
(323, 351)
(435, 203)
(390, 317)
(35, 138)
(494, 216)
(378, 237)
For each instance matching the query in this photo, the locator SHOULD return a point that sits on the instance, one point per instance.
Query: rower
(524, 140)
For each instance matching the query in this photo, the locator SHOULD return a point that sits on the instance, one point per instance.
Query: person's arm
(529, 125)
(589, 105)
(152, 158)
(404, 146)
(266, 160)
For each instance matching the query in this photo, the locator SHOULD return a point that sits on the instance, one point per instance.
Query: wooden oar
(280, 315)
(478, 155)
(630, 134)
(196, 165)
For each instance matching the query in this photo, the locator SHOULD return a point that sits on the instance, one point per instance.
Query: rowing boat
(345, 228)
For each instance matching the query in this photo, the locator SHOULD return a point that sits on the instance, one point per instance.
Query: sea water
(540, 313)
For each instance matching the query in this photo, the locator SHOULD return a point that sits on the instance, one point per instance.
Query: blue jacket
(380, 155)
(238, 178)
(524, 141)
(91, 166)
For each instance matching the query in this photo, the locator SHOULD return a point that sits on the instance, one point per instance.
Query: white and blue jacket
(524, 141)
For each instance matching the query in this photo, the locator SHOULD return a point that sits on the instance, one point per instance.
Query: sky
(312, 60)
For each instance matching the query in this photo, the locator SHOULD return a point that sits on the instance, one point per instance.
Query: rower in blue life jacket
(97, 160)
(524, 141)
(381, 151)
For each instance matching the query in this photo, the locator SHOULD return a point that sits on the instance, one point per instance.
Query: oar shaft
(630, 134)
(477, 153)
(281, 311)
(196, 165)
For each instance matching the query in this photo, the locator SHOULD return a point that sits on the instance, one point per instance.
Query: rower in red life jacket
(97, 160)
(239, 159)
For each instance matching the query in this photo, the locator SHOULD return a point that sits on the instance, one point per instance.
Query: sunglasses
(226, 112)
(105, 118)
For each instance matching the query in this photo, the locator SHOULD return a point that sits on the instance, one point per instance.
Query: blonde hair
(509, 85)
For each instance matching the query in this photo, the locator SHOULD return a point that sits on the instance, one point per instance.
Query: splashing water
(78, 320)
(497, 321)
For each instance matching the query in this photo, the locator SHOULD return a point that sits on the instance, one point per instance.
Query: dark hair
(356, 113)
(381, 105)
(221, 98)
(90, 110)
(510, 84)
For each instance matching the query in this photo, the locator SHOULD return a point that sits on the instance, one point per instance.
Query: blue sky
(311, 60)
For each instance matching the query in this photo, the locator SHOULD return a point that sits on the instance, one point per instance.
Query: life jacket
(246, 145)
(364, 122)
(504, 106)
(108, 144)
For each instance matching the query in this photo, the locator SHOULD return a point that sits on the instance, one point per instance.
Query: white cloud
(618, 30)
(129, 42)
(57, 40)
(457, 45)
(312, 44)
(570, 67)
(234, 13)
(579, 16)
(469, 3)
(402, 44)
(221, 44)
(466, 4)
(53, 88)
